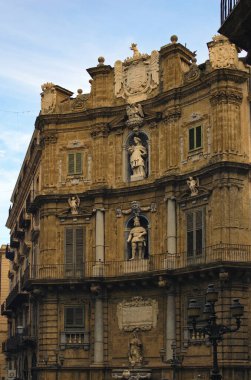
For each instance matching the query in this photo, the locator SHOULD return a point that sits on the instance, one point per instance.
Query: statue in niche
(74, 203)
(138, 155)
(193, 185)
(137, 238)
(135, 350)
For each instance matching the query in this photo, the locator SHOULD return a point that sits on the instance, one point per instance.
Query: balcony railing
(16, 296)
(227, 7)
(220, 253)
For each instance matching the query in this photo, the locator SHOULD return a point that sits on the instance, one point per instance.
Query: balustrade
(227, 7)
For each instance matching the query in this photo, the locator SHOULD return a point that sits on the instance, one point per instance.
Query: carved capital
(171, 115)
(99, 130)
(49, 138)
(226, 96)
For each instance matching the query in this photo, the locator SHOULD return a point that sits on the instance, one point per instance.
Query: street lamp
(176, 360)
(212, 329)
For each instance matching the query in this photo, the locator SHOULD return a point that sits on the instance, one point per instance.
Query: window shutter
(190, 236)
(71, 159)
(79, 247)
(191, 139)
(198, 232)
(198, 137)
(69, 316)
(79, 316)
(69, 246)
(78, 163)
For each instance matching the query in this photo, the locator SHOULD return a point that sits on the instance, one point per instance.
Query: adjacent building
(132, 198)
(4, 291)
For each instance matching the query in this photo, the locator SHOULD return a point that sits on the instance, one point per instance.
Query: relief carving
(137, 76)
(48, 98)
(222, 53)
(138, 313)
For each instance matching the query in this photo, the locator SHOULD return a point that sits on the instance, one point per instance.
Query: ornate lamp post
(212, 329)
(176, 360)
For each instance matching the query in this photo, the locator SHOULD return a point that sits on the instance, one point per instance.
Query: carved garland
(224, 96)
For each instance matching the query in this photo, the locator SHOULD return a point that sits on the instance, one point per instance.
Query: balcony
(29, 336)
(31, 202)
(13, 344)
(16, 296)
(236, 23)
(74, 339)
(159, 263)
(24, 219)
(227, 7)
(5, 310)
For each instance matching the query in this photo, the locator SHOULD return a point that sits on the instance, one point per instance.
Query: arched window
(137, 155)
(137, 238)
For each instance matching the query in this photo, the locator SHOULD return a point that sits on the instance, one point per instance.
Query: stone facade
(130, 200)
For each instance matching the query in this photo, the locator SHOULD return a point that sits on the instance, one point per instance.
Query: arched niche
(134, 227)
(136, 157)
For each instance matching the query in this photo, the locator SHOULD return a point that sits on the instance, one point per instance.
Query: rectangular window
(195, 233)
(74, 318)
(74, 251)
(75, 163)
(195, 138)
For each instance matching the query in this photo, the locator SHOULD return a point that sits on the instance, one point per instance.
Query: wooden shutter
(71, 160)
(79, 316)
(190, 235)
(78, 168)
(69, 251)
(191, 139)
(198, 231)
(198, 137)
(69, 316)
(79, 249)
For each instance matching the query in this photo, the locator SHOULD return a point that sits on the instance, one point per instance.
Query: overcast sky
(56, 40)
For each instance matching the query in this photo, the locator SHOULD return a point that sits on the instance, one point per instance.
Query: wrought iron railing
(227, 7)
(156, 263)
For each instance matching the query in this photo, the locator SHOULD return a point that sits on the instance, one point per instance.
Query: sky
(57, 40)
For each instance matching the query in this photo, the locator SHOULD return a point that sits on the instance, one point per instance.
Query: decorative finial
(101, 61)
(174, 39)
(79, 91)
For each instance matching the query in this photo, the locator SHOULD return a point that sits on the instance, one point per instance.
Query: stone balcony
(158, 263)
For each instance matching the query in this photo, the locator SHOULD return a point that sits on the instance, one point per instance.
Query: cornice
(170, 180)
(205, 81)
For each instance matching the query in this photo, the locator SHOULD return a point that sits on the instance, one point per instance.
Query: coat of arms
(222, 53)
(137, 76)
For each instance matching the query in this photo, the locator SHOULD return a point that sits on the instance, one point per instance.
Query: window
(195, 139)
(74, 163)
(74, 251)
(195, 233)
(74, 318)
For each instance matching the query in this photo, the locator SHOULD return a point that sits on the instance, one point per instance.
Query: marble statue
(193, 185)
(138, 154)
(137, 238)
(74, 203)
(135, 350)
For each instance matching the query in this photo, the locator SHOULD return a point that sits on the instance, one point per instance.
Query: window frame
(195, 144)
(196, 251)
(74, 326)
(76, 170)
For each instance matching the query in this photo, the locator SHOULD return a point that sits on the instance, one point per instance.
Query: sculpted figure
(135, 350)
(137, 238)
(193, 185)
(138, 153)
(74, 203)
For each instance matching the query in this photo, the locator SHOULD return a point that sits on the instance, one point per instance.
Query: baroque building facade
(130, 201)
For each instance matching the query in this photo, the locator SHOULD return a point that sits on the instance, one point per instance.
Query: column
(99, 235)
(171, 226)
(170, 323)
(99, 332)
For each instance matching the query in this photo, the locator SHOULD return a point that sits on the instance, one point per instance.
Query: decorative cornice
(172, 114)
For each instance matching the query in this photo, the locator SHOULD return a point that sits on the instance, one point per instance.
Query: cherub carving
(74, 203)
(193, 185)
